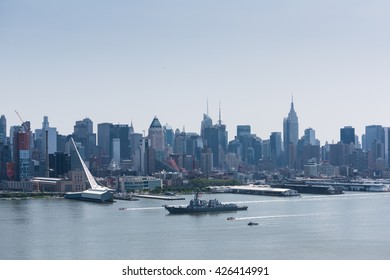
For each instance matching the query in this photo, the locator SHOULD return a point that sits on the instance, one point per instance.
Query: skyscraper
(206, 162)
(40, 134)
(45, 145)
(5, 158)
(5, 152)
(374, 133)
(215, 138)
(276, 147)
(21, 149)
(3, 130)
(310, 136)
(347, 135)
(207, 122)
(290, 135)
(83, 133)
(243, 130)
(119, 142)
(375, 144)
(169, 135)
(104, 143)
(244, 138)
(157, 139)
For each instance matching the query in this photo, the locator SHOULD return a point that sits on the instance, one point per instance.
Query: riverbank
(29, 195)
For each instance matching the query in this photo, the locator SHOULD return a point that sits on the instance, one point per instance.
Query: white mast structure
(92, 182)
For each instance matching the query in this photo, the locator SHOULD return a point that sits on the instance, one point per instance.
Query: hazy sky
(122, 61)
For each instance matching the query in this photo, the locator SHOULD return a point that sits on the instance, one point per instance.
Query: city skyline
(233, 132)
(128, 62)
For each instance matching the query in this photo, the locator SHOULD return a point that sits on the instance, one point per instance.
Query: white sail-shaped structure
(96, 193)
(94, 185)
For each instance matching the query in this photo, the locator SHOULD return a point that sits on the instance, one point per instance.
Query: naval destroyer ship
(202, 206)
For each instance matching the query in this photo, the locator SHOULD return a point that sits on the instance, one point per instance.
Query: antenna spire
(220, 121)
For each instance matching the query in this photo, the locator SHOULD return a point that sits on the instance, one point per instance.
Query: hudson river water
(349, 226)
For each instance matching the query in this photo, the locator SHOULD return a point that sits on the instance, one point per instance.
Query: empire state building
(290, 135)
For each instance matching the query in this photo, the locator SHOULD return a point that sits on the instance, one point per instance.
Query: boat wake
(280, 216)
(141, 208)
(314, 198)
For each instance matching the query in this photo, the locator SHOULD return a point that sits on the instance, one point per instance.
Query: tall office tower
(339, 154)
(374, 144)
(187, 147)
(135, 142)
(116, 150)
(140, 157)
(310, 136)
(179, 146)
(347, 135)
(3, 130)
(156, 136)
(194, 143)
(266, 146)
(131, 128)
(243, 131)
(169, 135)
(59, 164)
(387, 145)
(21, 151)
(216, 138)
(244, 137)
(45, 145)
(83, 133)
(206, 162)
(5, 153)
(104, 140)
(276, 147)
(50, 133)
(235, 147)
(5, 158)
(82, 128)
(45, 123)
(290, 135)
(374, 133)
(119, 142)
(207, 122)
(257, 149)
(194, 146)
(131, 131)
(308, 149)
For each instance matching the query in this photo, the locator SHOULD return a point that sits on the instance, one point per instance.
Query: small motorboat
(230, 218)
(253, 224)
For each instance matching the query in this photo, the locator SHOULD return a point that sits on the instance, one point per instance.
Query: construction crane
(23, 123)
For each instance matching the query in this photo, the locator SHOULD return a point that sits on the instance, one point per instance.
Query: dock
(263, 190)
(313, 189)
(161, 197)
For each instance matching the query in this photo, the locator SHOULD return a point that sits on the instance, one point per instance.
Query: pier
(161, 197)
(262, 190)
(312, 189)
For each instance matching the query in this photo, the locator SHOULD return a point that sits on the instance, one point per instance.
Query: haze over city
(128, 61)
